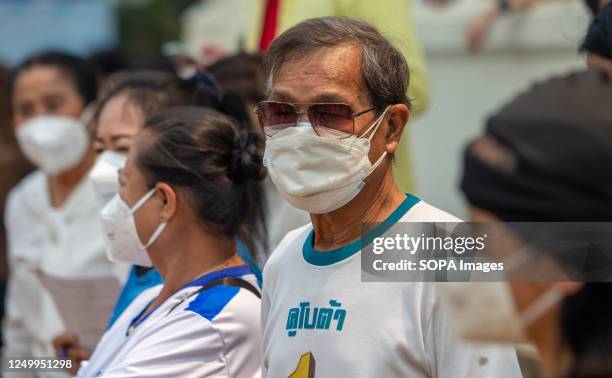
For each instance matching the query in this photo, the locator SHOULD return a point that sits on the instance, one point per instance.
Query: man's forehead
(322, 72)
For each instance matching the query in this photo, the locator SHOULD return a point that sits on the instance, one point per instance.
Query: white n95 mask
(104, 176)
(319, 174)
(53, 143)
(121, 237)
(486, 311)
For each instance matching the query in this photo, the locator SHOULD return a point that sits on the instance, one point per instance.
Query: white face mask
(319, 174)
(486, 311)
(104, 176)
(121, 235)
(54, 143)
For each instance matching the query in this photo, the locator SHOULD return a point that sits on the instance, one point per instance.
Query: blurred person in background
(243, 75)
(333, 120)
(53, 225)
(130, 98)
(545, 157)
(598, 41)
(14, 167)
(479, 28)
(183, 202)
(108, 62)
(207, 36)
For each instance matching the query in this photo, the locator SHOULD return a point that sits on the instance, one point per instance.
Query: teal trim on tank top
(323, 258)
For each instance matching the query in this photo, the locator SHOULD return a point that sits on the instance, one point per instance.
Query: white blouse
(63, 242)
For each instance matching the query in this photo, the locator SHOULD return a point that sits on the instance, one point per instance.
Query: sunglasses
(329, 120)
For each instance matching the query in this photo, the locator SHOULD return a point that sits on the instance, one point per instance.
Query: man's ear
(398, 116)
(168, 196)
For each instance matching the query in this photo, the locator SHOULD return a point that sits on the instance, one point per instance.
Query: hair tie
(206, 85)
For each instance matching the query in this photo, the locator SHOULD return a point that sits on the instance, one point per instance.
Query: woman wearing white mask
(53, 227)
(131, 98)
(121, 113)
(545, 157)
(183, 200)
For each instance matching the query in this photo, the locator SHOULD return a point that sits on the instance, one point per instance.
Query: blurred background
(469, 76)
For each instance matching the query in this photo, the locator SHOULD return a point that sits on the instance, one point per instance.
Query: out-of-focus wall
(467, 88)
(28, 26)
(224, 23)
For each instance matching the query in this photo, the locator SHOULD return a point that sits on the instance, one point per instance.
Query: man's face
(330, 76)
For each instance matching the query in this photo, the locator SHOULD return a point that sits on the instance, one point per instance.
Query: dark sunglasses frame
(259, 113)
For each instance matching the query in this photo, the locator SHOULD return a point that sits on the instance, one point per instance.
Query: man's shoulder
(424, 212)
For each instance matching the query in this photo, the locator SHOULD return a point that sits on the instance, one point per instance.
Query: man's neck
(375, 203)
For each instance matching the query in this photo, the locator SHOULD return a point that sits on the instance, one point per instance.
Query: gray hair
(383, 68)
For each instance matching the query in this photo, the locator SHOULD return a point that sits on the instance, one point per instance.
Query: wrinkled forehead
(322, 75)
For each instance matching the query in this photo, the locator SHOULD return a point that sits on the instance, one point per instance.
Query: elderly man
(336, 111)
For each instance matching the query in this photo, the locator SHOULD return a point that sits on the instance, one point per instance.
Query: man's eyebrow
(329, 98)
(280, 95)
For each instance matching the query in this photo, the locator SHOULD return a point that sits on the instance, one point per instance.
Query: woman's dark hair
(109, 61)
(586, 327)
(148, 91)
(81, 71)
(217, 163)
(241, 74)
(152, 91)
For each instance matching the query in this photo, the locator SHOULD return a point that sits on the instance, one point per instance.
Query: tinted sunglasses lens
(276, 116)
(332, 120)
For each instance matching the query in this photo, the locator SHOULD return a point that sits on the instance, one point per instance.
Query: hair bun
(246, 160)
(207, 90)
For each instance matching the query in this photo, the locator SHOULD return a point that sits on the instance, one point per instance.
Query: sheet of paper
(84, 304)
